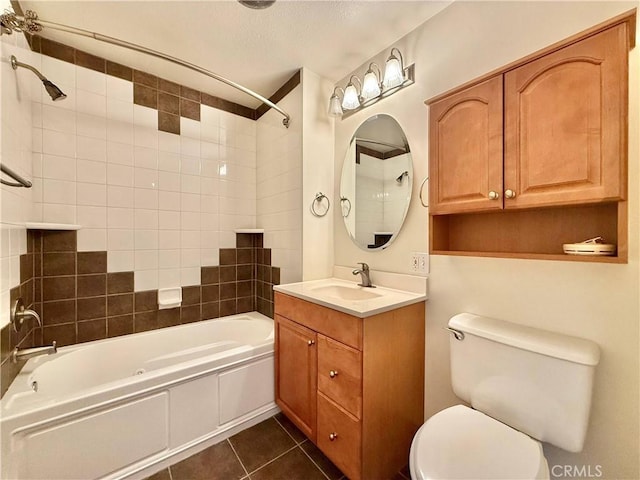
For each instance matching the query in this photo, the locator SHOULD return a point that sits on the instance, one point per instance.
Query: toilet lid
(462, 443)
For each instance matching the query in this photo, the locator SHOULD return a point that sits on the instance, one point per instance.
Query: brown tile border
(155, 85)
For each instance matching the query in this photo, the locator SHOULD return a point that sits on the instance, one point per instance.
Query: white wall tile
(190, 202)
(169, 181)
(58, 191)
(146, 239)
(120, 196)
(169, 277)
(169, 258)
(145, 219)
(91, 194)
(120, 261)
(120, 153)
(168, 239)
(91, 216)
(91, 126)
(189, 183)
(168, 220)
(146, 198)
(146, 178)
(189, 239)
(189, 128)
(91, 171)
(145, 157)
(92, 239)
(190, 257)
(146, 260)
(58, 143)
(91, 103)
(119, 89)
(119, 217)
(145, 280)
(58, 213)
(91, 148)
(59, 168)
(190, 276)
(91, 81)
(120, 111)
(169, 200)
(190, 165)
(121, 175)
(189, 146)
(120, 132)
(58, 119)
(120, 239)
(168, 142)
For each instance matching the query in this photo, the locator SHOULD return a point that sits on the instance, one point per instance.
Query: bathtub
(129, 406)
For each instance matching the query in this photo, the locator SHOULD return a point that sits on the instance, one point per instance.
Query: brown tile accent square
(5, 342)
(168, 103)
(59, 241)
(189, 109)
(169, 87)
(262, 443)
(214, 463)
(258, 240)
(228, 307)
(57, 50)
(92, 285)
(84, 59)
(209, 275)
(266, 256)
(168, 122)
(119, 282)
(244, 240)
(227, 291)
(62, 334)
(145, 96)
(190, 93)
(245, 305)
(210, 293)
(56, 264)
(228, 274)
(92, 330)
(146, 301)
(169, 317)
(190, 295)
(58, 288)
(275, 275)
(61, 311)
(244, 272)
(120, 71)
(92, 262)
(119, 304)
(144, 321)
(210, 310)
(244, 288)
(190, 314)
(89, 308)
(145, 79)
(296, 465)
(27, 262)
(245, 256)
(121, 325)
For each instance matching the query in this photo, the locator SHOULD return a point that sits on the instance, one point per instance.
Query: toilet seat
(462, 443)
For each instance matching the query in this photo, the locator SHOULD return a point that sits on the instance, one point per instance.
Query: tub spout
(27, 353)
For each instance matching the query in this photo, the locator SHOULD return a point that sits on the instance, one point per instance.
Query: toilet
(524, 386)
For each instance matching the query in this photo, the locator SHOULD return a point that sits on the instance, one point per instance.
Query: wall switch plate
(418, 263)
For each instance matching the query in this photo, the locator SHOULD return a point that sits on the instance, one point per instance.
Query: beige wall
(595, 301)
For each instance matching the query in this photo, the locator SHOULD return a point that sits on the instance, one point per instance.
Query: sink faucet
(27, 353)
(364, 274)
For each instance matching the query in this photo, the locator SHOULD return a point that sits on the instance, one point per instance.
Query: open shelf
(535, 234)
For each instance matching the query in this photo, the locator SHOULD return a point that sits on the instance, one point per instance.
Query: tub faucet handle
(19, 313)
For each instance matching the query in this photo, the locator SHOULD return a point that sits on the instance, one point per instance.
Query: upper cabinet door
(465, 152)
(565, 127)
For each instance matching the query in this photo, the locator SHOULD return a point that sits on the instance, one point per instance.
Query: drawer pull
(310, 342)
(333, 373)
(333, 436)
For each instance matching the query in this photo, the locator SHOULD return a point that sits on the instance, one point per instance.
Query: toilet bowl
(462, 443)
(503, 370)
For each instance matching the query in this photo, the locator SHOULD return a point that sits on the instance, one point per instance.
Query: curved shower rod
(32, 24)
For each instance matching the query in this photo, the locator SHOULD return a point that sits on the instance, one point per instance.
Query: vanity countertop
(348, 297)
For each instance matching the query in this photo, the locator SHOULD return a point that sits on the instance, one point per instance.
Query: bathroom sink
(346, 293)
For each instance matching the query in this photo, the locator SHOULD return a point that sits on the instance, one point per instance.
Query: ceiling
(259, 49)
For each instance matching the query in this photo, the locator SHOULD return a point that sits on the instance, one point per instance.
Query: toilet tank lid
(552, 344)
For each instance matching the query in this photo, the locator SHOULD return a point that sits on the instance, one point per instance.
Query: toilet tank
(536, 381)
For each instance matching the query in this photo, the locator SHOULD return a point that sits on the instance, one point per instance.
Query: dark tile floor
(272, 450)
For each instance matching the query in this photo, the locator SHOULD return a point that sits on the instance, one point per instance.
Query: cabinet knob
(509, 194)
(310, 342)
(333, 373)
(333, 436)
(493, 195)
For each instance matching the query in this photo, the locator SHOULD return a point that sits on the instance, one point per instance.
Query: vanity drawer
(340, 437)
(340, 374)
(337, 325)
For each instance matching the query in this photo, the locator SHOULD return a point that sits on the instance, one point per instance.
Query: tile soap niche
(169, 298)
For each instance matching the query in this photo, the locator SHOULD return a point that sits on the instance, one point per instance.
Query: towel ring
(344, 200)
(421, 187)
(318, 199)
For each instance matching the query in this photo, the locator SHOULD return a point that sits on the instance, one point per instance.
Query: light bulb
(335, 109)
(370, 85)
(350, 100)
(393, 74)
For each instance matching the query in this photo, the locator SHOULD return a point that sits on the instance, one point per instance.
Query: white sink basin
(346, 293)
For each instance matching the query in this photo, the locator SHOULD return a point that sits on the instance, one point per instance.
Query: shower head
(54, 92)
(401, 176)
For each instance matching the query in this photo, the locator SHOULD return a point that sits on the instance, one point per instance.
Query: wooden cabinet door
(465, 150)
(296, 370)
(565, 127)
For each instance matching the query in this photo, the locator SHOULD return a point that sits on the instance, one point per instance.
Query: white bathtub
(129, 406)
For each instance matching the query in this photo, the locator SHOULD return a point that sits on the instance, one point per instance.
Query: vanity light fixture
(371, 89)
(351, 98)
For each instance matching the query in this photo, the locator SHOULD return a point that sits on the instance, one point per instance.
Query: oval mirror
(376, 183)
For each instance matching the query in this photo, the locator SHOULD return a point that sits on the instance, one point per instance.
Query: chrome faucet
(364, 274)
(19, 313)
(27, 353)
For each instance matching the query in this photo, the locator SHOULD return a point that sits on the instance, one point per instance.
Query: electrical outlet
(418, 263)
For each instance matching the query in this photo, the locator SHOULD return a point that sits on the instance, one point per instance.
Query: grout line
(274, 459)
(287, 432)
(170, 474)
(312, 461)
(238, 457)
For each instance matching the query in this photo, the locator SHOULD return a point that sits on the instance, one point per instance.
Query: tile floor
(272, 450)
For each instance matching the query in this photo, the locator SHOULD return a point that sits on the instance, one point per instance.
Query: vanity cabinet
(354, 386)
(534, 155)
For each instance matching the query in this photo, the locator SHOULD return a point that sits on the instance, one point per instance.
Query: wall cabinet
(546, 132)
(354, 386)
